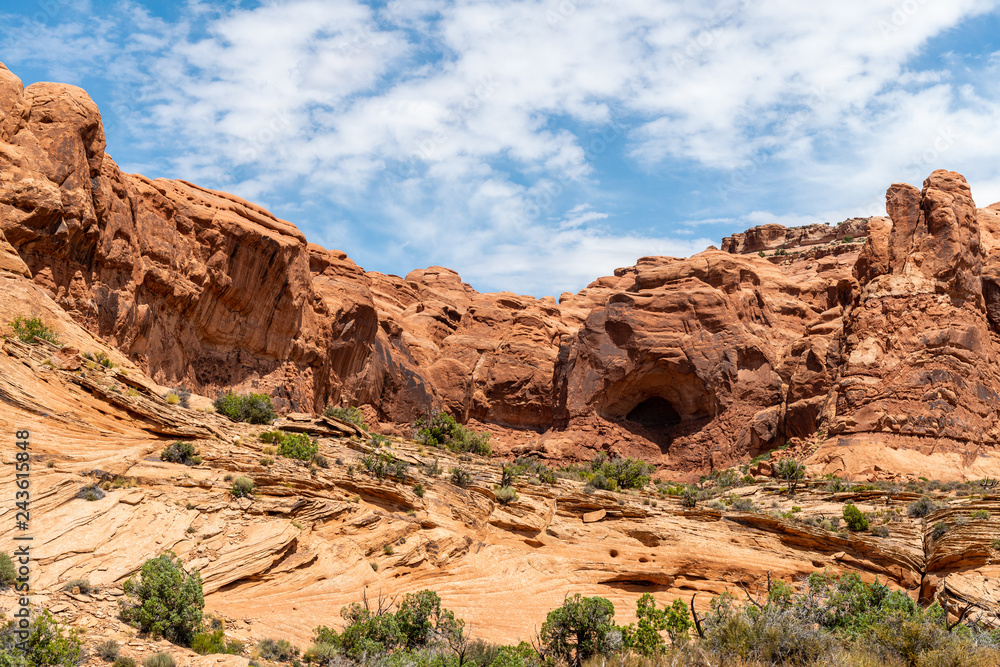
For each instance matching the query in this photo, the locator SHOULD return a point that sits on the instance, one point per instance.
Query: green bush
(420, 619)
(47, 644)
(169, 600)
(276, 650)
(441, 430)
(856, 521)
(505, 495)
(351, 415)
(578, 629)
(791, 472)
(161, 659)
(242, 487)
(321, 654)
(979, 514)
(8, 573)
(460, 477)
(180, 452)
(250, 408)
(107, 650)
(299, 447)
(29, 328)
(531, 467)
(419, 490)
(938, 531)
(214, 641)
(618, 473)
(644, 637)
(124, 661)
(384, 464)
(921, 508)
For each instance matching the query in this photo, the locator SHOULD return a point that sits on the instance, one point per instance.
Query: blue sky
(533, 145)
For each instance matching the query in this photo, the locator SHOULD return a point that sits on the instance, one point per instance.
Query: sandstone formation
(881, 331)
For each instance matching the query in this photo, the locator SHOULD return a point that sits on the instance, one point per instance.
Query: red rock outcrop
(691, 363)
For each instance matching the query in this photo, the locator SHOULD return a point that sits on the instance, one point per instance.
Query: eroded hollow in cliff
(660, 404)
(654, 412)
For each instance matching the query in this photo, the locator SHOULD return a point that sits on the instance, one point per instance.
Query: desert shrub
(577, 630)
(351, 415)
(183, 396)
(107, 650)
(82, 584)
(47, 644)
(419, 490)
(8, 573)
(854, 518)
(161, 659)
(321, 654)
(369, 634)
(28, 328)
(171, 398)
(460, 477)
(522, 655)
(726, 478)
(880, 531)
(242, 487)
(321, 461)
(180, 452)
(531, 467)
(250, 408)
(791, 472)
(644, 637)
(214, 641)
(979, 514)
(773, 635)
(741, 504)
(124, 661)
(618, 473)
(505, 495)
(441, 430)
(169, 600)
(689, 498)
(205, 643)
(384, 464)
(276, 650)
(421, 618)
(921, 508)
(90, 492)
(938, 531)
(298, 446)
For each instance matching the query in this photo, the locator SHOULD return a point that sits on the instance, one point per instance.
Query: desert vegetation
(250, 408)
(27, 329)
(441, 430)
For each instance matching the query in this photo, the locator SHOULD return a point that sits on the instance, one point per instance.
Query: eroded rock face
(920, 356)
(690, 363)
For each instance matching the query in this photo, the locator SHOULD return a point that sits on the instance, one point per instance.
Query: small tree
(792, 472)
(29, 328)
(420, 617)
(578, 629)
(170, 601)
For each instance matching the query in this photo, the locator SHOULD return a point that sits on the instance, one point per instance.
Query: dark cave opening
(655, 413)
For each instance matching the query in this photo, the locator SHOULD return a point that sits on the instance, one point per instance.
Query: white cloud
(469, 133)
